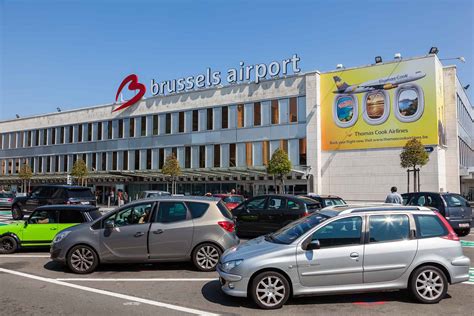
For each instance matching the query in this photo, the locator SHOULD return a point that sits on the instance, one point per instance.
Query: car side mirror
(313, 245)
(26, 224)
(109, 224)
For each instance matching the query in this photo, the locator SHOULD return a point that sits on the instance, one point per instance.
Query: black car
(326, 200)
(452, 206)
(51, 194)
(265, 214)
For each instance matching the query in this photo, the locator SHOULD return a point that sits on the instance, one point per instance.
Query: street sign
(69, 179)
(429, 149)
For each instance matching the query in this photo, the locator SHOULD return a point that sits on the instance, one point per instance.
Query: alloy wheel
(270, 291)
(429, 285)
(7, 245)
(82, 259)
(207, 257)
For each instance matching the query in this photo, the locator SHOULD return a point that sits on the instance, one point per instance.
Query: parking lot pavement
(32, 284)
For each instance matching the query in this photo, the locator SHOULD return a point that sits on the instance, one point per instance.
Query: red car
(230, 200)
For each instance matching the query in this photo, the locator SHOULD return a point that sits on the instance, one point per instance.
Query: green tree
(25, 174)
(413, 155)
(171, 168)
(79, 170)
(279, 166)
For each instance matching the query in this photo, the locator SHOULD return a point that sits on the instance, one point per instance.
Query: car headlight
(60, 237)
(229, 265)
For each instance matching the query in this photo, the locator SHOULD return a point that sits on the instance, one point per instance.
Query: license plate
(464, 225)
(85, 203)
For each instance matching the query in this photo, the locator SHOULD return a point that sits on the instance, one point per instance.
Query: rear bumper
(460, 269)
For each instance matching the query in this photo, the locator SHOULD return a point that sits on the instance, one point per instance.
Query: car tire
(82, 259)
(206, 257)
(463, 232)
(8, 245)
(428, 285)
(17, 213)
(270, 290)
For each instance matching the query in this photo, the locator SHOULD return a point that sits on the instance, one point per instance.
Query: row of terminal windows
(202, 156)
(278, 111)
(464, 118)
(466, 154)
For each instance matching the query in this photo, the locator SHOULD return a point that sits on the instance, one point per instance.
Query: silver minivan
(344, 249)
(166, 228)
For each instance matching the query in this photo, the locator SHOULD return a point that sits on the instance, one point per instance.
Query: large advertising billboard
(382, 105)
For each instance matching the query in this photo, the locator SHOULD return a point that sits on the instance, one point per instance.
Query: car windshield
(80, 193)
(454, 200)
(233, 199)
(95, 214)
(295, 230)
(333, 201)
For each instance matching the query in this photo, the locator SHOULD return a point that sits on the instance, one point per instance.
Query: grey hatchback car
(152, 230)
(344, 249)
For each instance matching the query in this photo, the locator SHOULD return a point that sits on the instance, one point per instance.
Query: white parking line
(109, 293)
(140, 280)
(24, 256)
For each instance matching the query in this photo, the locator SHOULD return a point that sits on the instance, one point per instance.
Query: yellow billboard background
(382, 106)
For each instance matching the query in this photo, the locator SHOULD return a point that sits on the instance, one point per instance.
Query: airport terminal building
(341, 139)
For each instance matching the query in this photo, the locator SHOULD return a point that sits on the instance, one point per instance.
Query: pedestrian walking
(394, 197)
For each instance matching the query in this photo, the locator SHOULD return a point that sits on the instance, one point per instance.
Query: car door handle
(53, 228)
(139, 234)
(158, 231)
(354, 255)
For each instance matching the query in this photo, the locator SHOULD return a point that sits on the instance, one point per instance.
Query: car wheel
(82, 259)
(17, 213)
(206, 256)
(270, 290)
(8, 245)
(463, 232)
(428, 285)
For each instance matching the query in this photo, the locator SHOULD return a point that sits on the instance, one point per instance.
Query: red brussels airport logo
(134, 85)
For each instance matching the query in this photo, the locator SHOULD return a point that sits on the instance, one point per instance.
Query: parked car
(6, 199)
(152, 194)
(42, 225)
(164, 228)
(267, 213)
(326, 200)
(348, 250)
(453, 207)
(49, 195)
(230, 200)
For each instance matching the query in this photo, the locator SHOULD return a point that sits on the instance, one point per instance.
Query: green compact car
(42, 226)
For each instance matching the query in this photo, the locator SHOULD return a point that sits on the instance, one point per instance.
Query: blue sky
(75, 53)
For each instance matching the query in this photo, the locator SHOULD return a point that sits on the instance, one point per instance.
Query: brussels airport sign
(210, 78)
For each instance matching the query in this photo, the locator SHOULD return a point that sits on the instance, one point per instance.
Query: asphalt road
(31, 284)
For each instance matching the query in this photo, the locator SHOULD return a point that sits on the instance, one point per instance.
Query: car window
(6, 195)
(418, 200)
(47, 192)
(170, 212)
(296, 229)
(137, 214)
(233, 199)
(333, 201)
(341, 232)
(95, 214)
(454, 200)
(429, 226)
(406, 199)
(256, 204)
(70, 216)
(276, 203)
(60, 193)
(197, 209)
(293, 205)
(43, 217)
(224, 210)
(80, 193)
(36, 192)
(432, 201)
(384, 228)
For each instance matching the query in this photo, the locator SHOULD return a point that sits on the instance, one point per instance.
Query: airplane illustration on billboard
(379, 84)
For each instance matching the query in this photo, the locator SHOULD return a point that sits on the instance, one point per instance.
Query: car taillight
(68, 202)
(228, 226)
(305, 213)
(10, 200)
(451, 234)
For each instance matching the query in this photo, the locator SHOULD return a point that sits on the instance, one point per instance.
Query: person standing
(125, 197)
(394, 197)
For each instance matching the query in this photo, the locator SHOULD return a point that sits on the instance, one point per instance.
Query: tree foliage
(279, 165)
(79, 170)
(25, 172)
(171, 168)
(413, 154)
